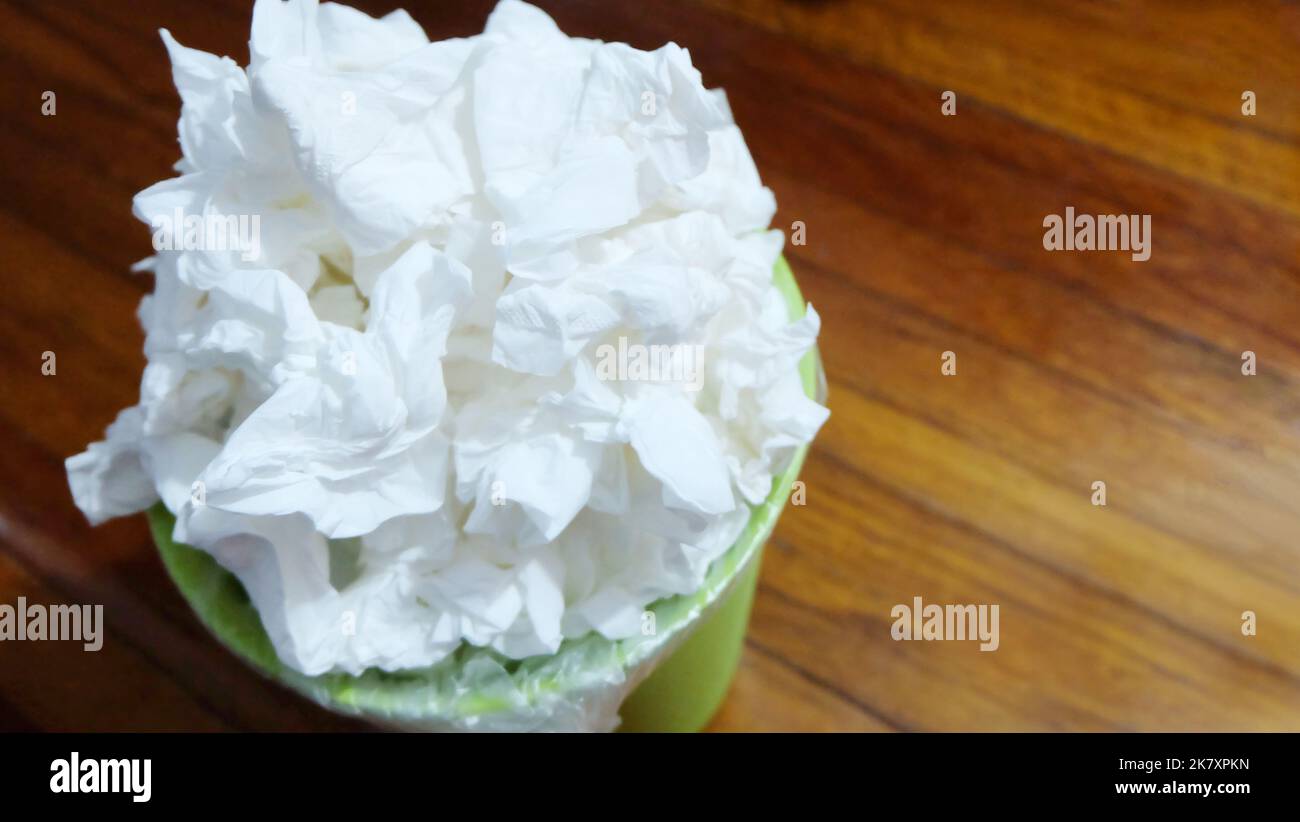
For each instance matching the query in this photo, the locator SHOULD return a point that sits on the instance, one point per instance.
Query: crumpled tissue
(391, 421)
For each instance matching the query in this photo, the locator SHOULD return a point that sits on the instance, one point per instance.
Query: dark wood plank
(61, 686)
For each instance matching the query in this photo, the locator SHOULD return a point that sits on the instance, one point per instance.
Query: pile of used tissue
(390, 400)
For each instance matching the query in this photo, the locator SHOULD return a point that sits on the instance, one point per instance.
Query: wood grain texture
(924, 235)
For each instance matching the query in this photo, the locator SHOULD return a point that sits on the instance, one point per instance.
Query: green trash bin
(671, 680)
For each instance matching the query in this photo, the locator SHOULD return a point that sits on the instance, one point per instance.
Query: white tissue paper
(406, 367)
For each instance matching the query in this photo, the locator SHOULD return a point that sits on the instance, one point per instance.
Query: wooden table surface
(924, 235)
